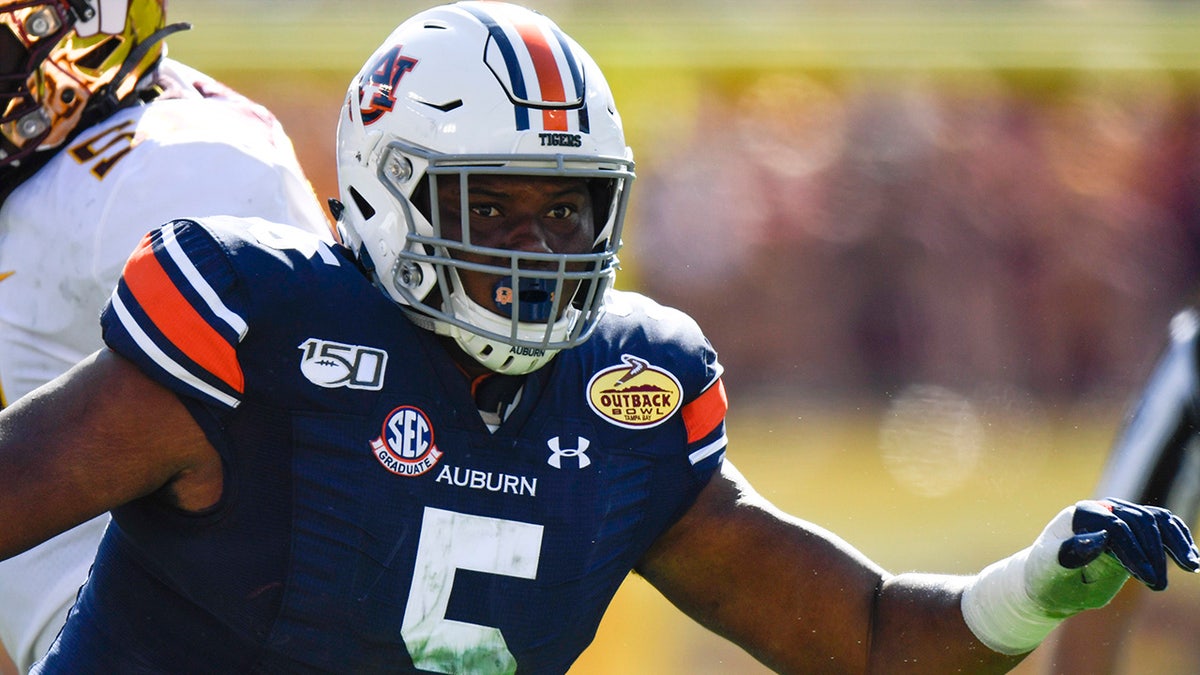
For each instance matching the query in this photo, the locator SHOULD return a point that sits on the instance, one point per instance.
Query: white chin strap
(495, 355)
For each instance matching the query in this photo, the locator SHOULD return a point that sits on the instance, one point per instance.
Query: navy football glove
(1140, 537)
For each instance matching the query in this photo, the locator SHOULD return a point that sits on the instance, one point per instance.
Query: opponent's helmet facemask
(468, 89)
(60, 58)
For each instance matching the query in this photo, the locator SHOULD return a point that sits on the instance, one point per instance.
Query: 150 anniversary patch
(634, 394)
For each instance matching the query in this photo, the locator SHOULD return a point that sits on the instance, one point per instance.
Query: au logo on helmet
(634, 394)
(377, 88)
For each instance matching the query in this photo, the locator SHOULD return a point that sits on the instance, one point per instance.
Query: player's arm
(795, 595)
(799, 598)
(98, 436)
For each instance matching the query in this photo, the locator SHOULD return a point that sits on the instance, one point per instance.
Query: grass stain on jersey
(472, 661)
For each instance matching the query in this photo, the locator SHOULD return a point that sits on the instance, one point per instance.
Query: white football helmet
(480, 88)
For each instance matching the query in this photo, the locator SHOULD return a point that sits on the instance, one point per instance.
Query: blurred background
(936, 244)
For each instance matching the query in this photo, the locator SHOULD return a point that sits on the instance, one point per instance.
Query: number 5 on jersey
(451, 541)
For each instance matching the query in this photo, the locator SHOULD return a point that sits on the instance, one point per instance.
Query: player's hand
(1140, 537)
(1069, 571)
(1080, 561)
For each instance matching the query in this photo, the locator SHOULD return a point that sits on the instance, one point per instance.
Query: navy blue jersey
(370, 520)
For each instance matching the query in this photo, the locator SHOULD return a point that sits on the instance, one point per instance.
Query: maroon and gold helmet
(56, 56)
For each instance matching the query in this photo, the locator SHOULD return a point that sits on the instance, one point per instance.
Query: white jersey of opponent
(65, 233)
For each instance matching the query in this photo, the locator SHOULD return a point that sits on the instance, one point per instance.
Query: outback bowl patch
(634, 394)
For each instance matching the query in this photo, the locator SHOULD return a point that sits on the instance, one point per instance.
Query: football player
(1155, 459)
(101, 140)
(441, 444)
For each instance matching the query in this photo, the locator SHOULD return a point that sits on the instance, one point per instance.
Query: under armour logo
(556, 459)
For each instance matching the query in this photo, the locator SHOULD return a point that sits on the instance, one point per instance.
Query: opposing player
(101, 140)
(1156, 460)
(442, 446)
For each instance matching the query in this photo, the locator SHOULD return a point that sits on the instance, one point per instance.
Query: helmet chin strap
(496, 356)
(499, 356)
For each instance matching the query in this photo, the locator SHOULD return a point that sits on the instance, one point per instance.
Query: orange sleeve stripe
(177, 319)
(703, 415)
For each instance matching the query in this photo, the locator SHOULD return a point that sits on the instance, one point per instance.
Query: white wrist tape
(1012, 605)
(999, 611)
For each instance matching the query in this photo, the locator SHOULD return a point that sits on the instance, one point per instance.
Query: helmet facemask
(29, 32)
(537, 302)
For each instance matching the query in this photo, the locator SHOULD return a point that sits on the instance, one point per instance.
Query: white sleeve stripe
(165, 362)
(709, 450)
(197, 281)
